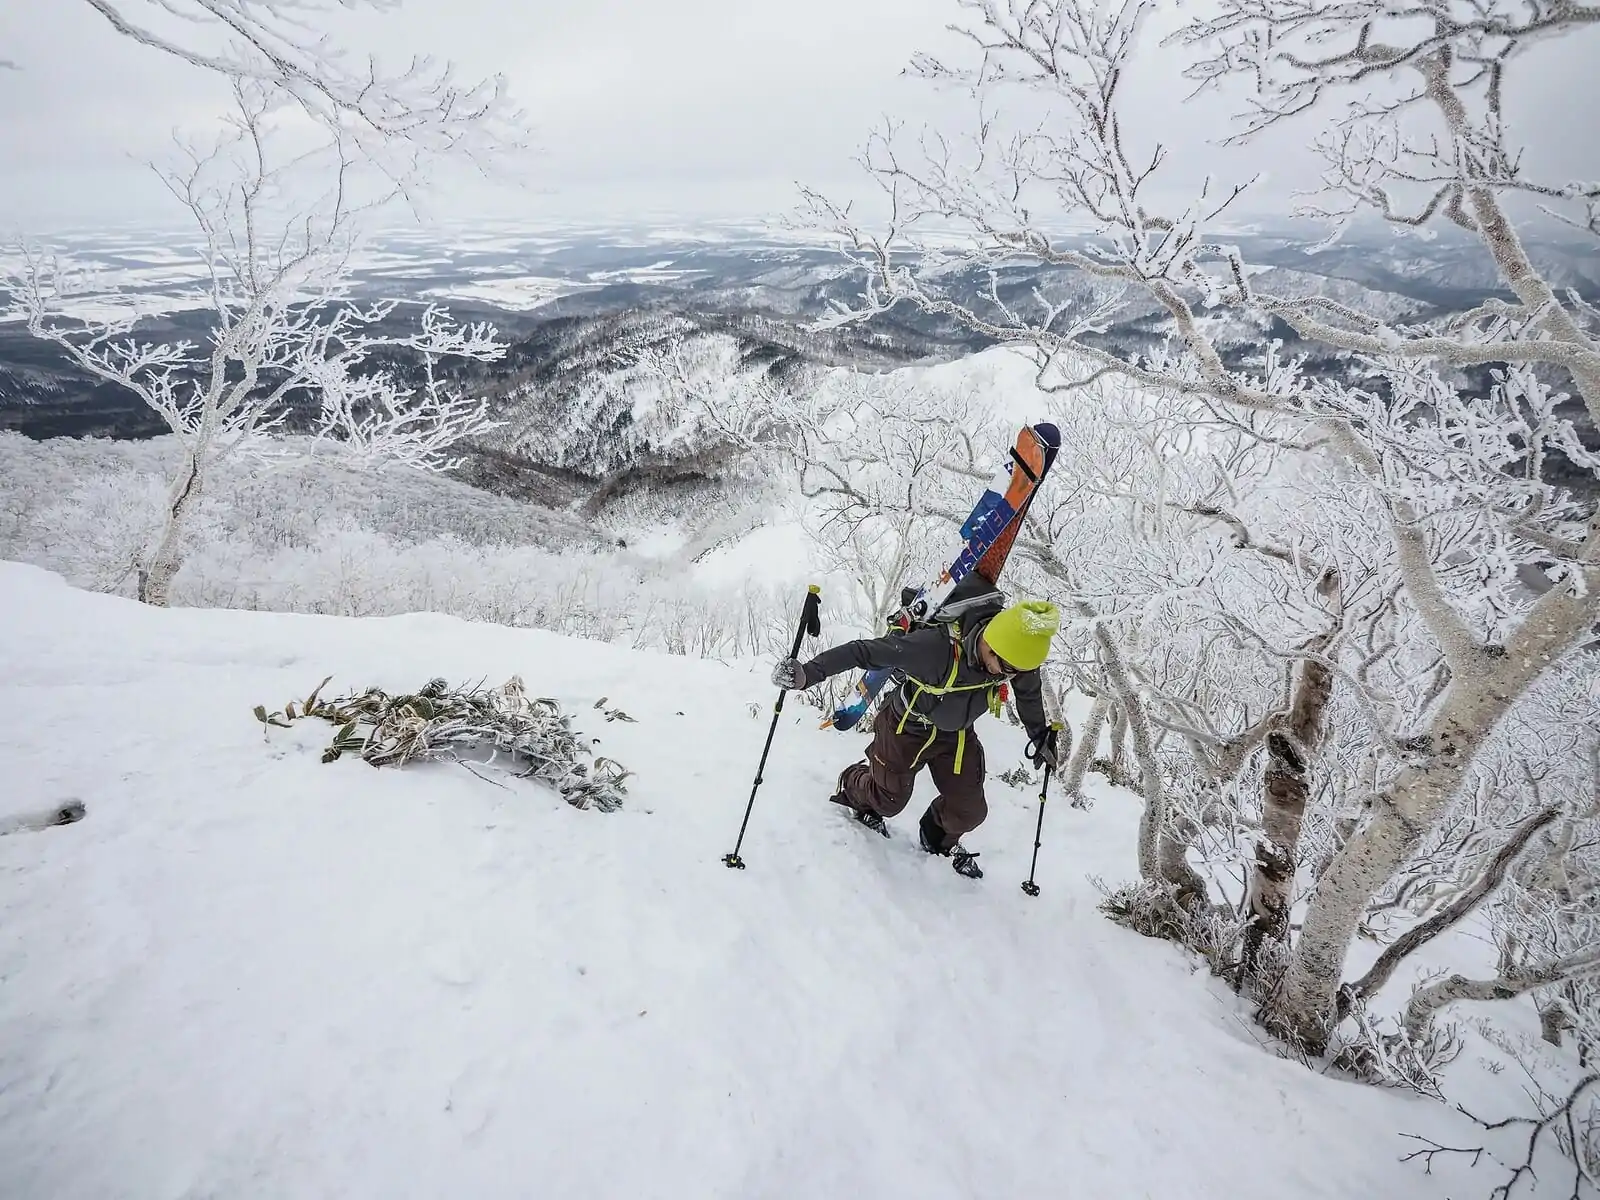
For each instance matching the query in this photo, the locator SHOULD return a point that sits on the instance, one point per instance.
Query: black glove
(1042, 747)
(789, 674)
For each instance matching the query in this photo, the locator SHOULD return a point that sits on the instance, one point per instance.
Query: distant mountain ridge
(576, 307)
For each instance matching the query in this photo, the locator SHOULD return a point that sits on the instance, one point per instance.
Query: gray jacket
(925, 656)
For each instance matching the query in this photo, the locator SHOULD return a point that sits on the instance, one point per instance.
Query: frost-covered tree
(884, 465)
(286, 339)
(688, 399)
(314, 534)
(888, 468)
(277, 200)
(1479, 573)
(395, 117)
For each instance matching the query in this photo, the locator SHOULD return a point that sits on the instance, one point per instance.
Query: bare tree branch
(1420, 935)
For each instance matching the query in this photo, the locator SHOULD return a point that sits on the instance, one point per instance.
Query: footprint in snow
(472, 1099)
(449, 965)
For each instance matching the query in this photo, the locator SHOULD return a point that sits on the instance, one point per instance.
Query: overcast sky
(689, 107)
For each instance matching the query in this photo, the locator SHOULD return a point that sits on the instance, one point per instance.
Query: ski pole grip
(810, 619)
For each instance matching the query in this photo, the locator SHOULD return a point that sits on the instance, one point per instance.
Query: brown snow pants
(884, 782)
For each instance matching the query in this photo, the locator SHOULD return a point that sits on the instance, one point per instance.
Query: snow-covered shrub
(532, 738)
(311, 536)
(633, 396)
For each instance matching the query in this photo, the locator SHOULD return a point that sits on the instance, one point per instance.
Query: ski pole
(1030, 886)
(810, 622)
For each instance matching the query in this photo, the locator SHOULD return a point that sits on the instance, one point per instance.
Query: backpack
(974, 596)
(974, 599)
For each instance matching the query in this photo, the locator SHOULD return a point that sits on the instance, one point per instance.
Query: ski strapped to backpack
(988, 534)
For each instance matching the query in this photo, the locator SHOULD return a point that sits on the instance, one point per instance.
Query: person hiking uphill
(948, 676)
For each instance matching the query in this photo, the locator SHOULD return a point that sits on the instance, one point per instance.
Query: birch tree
(1466, 512)
(288, 344)
(278, 211)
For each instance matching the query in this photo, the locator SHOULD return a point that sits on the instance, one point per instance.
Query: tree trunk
(1400, 818)
(1083, 752)
(1584, 1031)
(1162, 856)
(1487, 681)
(1119, 774)
(1343, 829)
(155, 578)
(1290, 750)
(1553, 1022)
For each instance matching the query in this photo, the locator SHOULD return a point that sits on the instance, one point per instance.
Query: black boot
(936, 841)
(872, 820)
(965, 863)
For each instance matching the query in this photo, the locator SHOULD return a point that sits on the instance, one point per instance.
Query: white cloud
(707, 107)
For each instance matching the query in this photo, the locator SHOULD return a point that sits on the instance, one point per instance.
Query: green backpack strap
(944, 690)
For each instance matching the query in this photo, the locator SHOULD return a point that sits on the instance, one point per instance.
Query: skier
(948, 677)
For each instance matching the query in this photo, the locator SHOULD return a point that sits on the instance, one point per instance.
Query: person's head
(1018, 638)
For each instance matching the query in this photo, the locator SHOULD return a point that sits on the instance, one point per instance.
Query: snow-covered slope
(245, 973)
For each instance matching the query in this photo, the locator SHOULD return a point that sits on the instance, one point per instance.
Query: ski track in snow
(247, 973)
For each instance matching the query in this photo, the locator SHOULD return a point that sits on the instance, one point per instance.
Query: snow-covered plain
(518, 294)
(246, 973)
